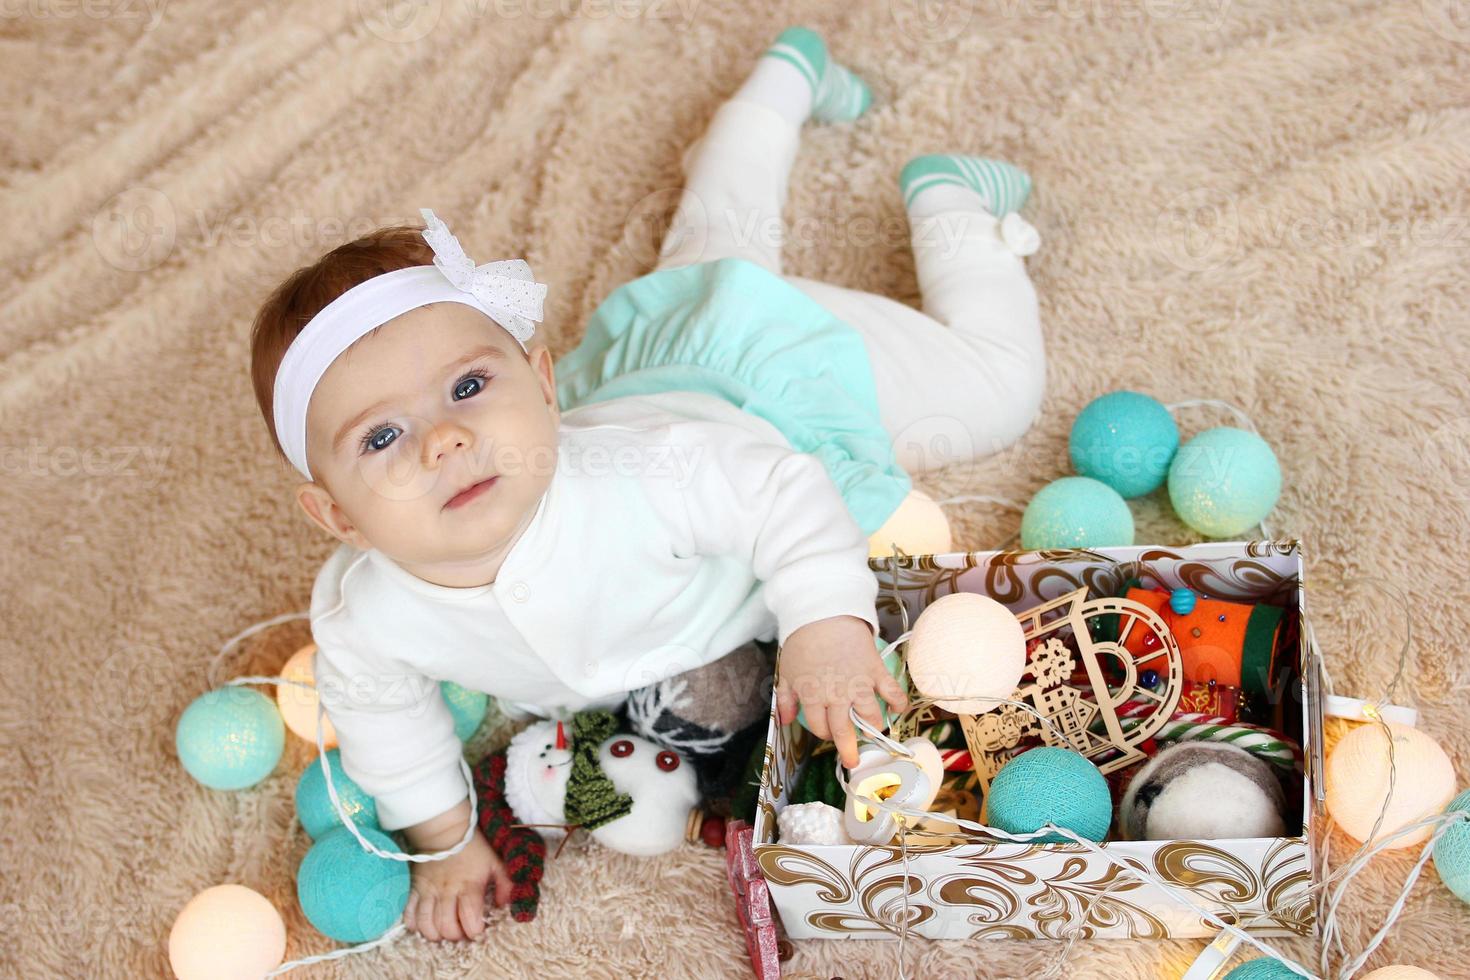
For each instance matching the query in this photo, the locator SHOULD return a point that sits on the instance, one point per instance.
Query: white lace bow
(507, 289)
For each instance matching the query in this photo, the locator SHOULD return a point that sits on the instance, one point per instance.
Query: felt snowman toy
(627, 793)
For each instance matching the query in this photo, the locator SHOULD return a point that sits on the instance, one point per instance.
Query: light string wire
(399, 928)
(1320, 891)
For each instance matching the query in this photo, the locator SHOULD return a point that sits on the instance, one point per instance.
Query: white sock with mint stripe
(947, 182)
(796, 77)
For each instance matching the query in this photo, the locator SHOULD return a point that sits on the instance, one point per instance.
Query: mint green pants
(957, 380)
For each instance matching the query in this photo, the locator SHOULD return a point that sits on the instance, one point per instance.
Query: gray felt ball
(1203, 791)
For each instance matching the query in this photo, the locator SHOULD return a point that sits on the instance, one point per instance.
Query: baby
(703, 471)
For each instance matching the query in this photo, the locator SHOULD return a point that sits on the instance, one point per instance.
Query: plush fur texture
(1258, 200)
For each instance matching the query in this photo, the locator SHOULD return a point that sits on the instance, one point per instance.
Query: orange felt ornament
(1231, 643)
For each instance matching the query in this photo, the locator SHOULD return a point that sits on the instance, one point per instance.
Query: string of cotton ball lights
(232, 737)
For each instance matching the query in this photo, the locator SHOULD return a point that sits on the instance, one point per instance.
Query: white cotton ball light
(918, 526)
(1399, 972)
(966, 644)
(297, 704)
(227, 932)
(1357, 782)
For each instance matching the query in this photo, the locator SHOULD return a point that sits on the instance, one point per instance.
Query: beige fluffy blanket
(1261, 201)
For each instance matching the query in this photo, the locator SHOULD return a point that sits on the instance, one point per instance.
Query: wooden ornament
(1086, 718)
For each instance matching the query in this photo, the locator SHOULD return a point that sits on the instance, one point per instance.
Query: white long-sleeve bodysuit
(675, 528)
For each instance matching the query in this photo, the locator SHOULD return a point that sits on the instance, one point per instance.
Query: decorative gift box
(966, 886)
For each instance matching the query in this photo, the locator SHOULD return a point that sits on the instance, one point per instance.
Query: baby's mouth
(470, 493)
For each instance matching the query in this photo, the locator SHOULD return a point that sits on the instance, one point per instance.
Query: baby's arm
(779, 509)
(397, 742)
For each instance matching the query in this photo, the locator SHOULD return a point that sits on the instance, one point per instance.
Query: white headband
(506, 291)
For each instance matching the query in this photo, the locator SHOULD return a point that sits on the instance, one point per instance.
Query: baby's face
(434, 440)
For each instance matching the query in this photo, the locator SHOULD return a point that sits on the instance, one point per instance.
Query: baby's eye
(379, 438)
(469, 386)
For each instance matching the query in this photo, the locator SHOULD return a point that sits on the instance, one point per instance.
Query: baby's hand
(446, 899)
(831, 665)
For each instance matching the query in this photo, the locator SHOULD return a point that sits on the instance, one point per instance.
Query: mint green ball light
(1050, 785)
(1126, 440)
(230, 738)
(1224, 481)
(348, 893)
(468, 708)
(1076, 512)
(314, 805)
(1452, 851)
(1264, 968)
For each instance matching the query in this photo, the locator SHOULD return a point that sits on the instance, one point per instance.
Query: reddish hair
(293, 303)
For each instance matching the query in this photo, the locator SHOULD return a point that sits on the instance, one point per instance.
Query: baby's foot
(1001, 187)
(837, 94)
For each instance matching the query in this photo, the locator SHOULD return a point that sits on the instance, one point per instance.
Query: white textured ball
(297, 704)
(811, 823)
(1357, 782)
(918, 526)
(227, 932)
(970, 646)
(1398, 972)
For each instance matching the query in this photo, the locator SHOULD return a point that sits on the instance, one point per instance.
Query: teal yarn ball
(1126, 440)
(1264, 968)
(314, 806)
(468, 708)
(349, 894)
(892, 661)
(1224, 481)
(230, 738)
(1076, 512)
(1452, 851)
(1050, 785)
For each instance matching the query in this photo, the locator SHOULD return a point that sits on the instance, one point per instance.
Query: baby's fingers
(893, 693)
(786, 706)
(446, 918)
(844, 736)
(425, 925)
(816, 720)
(867, 707)
(500, 878)
(472, 914)
(410, 911)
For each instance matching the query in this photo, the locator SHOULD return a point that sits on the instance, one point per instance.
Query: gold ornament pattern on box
(1010, 891)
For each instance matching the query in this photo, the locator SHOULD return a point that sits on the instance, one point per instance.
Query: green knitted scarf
(592, 800)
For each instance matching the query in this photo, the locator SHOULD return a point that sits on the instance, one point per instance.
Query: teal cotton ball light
(1452, 851)
(1126, 440)
(1076, 512)
(1050, 785)
(1224, 481)
(1264, 968)
(230, 738)
(348, 893)
(314, 805)
(468, 708)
